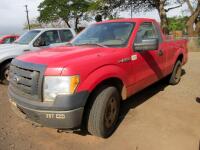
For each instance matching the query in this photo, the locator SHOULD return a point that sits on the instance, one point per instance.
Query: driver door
(149, 66)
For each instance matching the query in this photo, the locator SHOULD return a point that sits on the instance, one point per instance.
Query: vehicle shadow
(141, 97)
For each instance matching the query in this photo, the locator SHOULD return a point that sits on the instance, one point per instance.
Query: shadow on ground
(143, 96)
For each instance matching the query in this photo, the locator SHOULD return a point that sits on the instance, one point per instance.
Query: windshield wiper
(100, 45)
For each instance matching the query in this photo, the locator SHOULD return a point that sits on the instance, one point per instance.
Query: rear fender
(177, 54)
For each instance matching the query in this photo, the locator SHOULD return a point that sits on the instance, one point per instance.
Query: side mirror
(146, 45)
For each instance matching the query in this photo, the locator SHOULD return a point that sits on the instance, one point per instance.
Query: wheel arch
(5, 61)
(180, 57)
(107, 75)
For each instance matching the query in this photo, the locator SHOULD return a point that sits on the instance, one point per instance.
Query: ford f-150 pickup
(81, 85)
(31, 41)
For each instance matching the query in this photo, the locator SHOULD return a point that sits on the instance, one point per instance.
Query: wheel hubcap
(111, 112)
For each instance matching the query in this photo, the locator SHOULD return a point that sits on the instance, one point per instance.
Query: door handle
(27, 50)
(160, 53)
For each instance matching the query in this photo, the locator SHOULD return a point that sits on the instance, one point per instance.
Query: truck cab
(81, 85)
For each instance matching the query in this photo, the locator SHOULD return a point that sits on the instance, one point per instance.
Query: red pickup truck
(7, 39)
(82, 84)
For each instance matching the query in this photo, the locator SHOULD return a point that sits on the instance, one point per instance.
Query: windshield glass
(27, 37)
(106, 34)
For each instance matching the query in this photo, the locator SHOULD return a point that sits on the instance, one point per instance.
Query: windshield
(27, 37)
(106, 34)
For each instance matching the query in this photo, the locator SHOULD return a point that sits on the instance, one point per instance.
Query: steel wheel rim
(110, 113)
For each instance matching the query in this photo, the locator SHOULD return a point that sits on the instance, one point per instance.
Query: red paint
(2, 39)
(95, 64)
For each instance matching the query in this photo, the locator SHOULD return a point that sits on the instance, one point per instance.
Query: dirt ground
(161, 117)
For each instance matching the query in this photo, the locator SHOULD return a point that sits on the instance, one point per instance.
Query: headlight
(59, 85)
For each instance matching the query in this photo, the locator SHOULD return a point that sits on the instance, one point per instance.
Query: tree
(107, 8)
(162, 6)
(53, 10)
(177, 24)
(193, 23)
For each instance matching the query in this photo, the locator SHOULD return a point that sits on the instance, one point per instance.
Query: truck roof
(47, 29)
(128, 20)
(9, 35)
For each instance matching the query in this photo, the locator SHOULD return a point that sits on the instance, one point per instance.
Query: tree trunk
(198, 28)
(193, 32)
(67, 22)
(163, 17)
(76, 23)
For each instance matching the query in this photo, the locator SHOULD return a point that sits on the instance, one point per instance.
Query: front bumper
(55, 119)
(65, 113)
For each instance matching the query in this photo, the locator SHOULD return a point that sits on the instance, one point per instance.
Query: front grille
(26, 79)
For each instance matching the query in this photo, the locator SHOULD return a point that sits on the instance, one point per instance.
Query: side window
(6, 41)
(12, 39)
(51, 37)
(47, 38)
(159, 33)
(65, 35)
(145, 32)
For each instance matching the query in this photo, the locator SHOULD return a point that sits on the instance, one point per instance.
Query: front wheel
(5, 73)
(176, 74)
(103, 114)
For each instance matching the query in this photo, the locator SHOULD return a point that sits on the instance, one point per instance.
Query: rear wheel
(5, 73)
(104, 111)
(176, 74)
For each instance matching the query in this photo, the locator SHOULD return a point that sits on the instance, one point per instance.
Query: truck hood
(64, 56)
(6, 48)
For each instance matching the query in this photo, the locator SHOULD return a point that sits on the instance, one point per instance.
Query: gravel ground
(161, 117)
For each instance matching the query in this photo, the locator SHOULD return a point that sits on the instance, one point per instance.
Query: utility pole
(27, 16)
(131, 9)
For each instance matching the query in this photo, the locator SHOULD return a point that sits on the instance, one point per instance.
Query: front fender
(6, 58)
(101, 74)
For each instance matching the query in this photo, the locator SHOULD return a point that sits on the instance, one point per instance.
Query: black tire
(101, 120)
(176, 74)
(4, 74)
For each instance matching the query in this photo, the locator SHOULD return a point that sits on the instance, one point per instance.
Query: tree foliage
(76, 10)
(177, 23)
(162, 6)
(52, 10)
